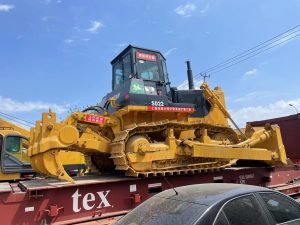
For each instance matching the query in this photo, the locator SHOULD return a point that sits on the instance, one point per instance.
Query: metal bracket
(54, 210)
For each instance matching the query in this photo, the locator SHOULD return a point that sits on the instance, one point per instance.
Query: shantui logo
(88, 201)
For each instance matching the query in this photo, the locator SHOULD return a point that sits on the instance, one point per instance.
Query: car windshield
(158, 210)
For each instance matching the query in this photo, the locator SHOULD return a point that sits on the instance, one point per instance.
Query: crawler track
(180, 165)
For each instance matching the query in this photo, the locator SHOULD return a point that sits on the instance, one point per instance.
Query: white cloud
(10, 105)
(264, 63)
(123, 44)
(169, 31)
(247, 97)
(185, 10)
(277, 109)
(252, 96)
(45, 18)
(169, 52)
(46, 1)
(76, 28)
(185, 85)
(95, 26)
(205, 9)
(6, 8)
(251, 72)
(69, 41)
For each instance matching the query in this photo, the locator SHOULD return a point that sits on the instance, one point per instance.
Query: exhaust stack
(190, 75)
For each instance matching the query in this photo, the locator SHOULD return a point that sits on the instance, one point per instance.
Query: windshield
(147, 70)
(147, 66)
(17, 146)
(158, 210)
(13, 144)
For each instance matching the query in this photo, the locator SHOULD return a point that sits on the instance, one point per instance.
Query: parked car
(216, 204)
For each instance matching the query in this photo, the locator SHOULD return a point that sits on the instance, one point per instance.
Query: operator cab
(141, 63)
(13, 155)
(140, 78)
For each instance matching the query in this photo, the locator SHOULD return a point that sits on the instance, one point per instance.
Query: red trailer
(48, 201)
(290, 132)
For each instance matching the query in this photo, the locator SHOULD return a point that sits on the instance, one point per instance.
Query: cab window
(147, 69)
(166, 76)
(122, 71)
(127, 67)
(118, 74)
(165, 71)
(13, 144)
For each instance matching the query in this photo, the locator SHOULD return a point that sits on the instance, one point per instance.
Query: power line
(256, 50)
(16, 119)
(10, 119)
(255, 54)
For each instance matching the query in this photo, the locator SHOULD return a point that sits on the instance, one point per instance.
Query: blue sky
(56, 53)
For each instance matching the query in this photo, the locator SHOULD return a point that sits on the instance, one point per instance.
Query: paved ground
(101, 222)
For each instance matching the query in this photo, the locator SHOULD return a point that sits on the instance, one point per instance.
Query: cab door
(14, 157)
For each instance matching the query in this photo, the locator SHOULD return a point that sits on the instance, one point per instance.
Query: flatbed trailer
(48, 201)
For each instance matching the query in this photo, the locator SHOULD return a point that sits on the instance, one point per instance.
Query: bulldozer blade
(48, 163)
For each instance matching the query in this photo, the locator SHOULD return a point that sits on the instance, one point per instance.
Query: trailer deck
(48, 201)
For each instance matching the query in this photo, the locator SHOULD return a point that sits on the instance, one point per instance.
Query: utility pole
(205, 76)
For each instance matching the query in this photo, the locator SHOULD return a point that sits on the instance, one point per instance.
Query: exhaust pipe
(190, 75)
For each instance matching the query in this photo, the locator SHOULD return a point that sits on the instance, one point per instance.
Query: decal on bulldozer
(95, 119)
(144, 56)
(137, 87)
(169, 109)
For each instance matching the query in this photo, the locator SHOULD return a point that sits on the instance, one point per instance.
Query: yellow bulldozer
(145, 127)
(14, 160)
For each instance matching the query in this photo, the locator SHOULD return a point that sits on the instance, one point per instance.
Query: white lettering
(88, 201)
(75, 197)
(103, 199)
(89, 197)
(243, 177)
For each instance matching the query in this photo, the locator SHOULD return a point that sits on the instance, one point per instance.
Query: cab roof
(8, 131)
(135, 47)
